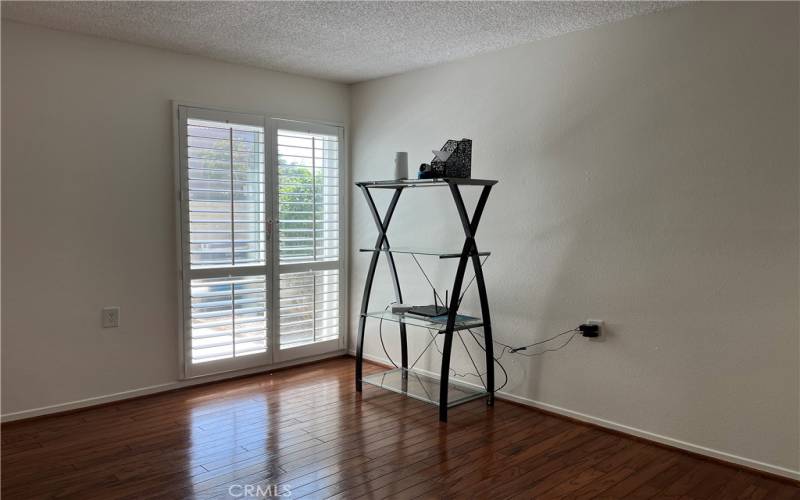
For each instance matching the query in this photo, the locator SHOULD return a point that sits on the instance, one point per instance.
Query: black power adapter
(589, 330)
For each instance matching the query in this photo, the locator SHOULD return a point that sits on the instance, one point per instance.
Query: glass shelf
(423, 251)
(444, 181)
(437, 323)
(423, 387)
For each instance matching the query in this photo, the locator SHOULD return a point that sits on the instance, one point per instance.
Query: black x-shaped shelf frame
(469, 252)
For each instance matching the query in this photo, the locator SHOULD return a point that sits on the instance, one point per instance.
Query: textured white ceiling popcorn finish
(342, 41)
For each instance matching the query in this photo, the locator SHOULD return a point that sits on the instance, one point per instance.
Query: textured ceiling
(341, 41)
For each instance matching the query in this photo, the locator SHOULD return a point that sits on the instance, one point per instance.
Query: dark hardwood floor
(305, 431)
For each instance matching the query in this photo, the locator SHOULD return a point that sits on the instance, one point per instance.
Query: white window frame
(273, 357)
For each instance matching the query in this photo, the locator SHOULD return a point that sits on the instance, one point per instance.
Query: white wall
(648, 177)
(88, 204)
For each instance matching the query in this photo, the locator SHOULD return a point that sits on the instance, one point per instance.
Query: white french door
(225, 252)
(237, 172)
(309, 271)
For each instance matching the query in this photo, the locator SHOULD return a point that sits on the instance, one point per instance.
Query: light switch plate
(111, 317)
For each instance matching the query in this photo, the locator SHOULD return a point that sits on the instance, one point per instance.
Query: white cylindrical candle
(401, 165)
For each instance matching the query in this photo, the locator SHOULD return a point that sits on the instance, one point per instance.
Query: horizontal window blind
(228, 317)
(308, 232)
(252, 295)
(224, 219)
(226, 194)
(309, 307)
(308, 196)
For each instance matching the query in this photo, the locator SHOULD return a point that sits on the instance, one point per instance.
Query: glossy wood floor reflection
(305, 431)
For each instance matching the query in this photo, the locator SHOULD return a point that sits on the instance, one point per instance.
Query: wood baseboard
(143, 392)
(767, 470)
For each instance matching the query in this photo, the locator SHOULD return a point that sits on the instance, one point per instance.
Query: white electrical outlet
(600, 325)
(111, 317)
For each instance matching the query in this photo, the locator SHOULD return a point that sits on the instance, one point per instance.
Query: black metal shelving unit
(402, 379)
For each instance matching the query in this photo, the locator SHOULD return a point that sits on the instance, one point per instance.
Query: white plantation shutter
(309, 234)
(225, 246)
(228, 317)
(308, 191)
(309, 310)
(226, 194)
(234, 272)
